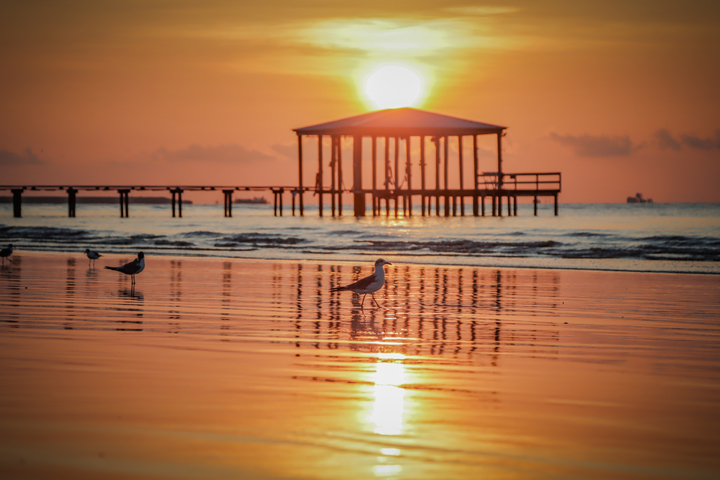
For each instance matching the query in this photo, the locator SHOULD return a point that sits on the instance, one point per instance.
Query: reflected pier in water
(223, 366)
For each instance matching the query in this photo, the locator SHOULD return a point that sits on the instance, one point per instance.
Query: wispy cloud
(286, 150)
(665, 140)
(707, 143)
(231, 153)
(27, 157)
(597, 145)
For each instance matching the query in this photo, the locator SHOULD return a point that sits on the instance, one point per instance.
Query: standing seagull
(92, 255)
(132, 268)
(370, 284)
(5, 253)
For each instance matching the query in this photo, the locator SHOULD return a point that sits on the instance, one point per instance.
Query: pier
(124, 191)
(426, 140)
(419, 132)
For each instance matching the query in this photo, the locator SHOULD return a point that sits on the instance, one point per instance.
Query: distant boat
(638, 198)
(255, 201)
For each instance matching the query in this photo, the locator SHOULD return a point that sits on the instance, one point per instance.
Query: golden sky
(620, 96)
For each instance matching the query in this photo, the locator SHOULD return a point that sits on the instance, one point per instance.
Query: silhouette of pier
(386, 132)
(124, 191)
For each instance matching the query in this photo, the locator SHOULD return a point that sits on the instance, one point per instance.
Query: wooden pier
(387, 130)
(421, 133)
(124, 191)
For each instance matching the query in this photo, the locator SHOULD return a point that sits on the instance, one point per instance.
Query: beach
(240, 368)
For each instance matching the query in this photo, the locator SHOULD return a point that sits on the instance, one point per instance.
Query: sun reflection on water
(387, 414)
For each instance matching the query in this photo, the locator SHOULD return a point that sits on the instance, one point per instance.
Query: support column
(333, 172)
(17, 202)
(71, 201)
(300, 175)
(535, 203)
(445, 172)
(436, 140)
(408, 172)
(277, 201)
(228, 202)
(422, 175)
(319, 178)
(359, 200)
(177, 191)
(397, 175)
(124, 202)
(556, 204)
(499, 153)
(475, 177)
(462, 174)
(340, 176)
(374, 176)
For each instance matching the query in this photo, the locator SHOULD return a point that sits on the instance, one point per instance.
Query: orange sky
(620, 96)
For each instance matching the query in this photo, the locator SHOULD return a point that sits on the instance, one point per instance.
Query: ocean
(657, 237)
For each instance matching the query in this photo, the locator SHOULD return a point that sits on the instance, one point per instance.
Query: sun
(393, 86)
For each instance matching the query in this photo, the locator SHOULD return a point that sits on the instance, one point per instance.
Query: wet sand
(241, 369)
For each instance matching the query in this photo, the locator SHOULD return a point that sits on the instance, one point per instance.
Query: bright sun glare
(392, 86)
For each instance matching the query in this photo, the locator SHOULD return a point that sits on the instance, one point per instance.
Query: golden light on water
(393, 86)
(387, 414)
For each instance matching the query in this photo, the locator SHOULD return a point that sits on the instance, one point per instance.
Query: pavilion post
(408, 170)
(374, 175)
(338, 158)
(475, 176)
(397, 174)
(319, 179)
(333, 174)
(422, 174)
(445, 166)
(359, 200)
(387, 176)
(499, 156)
(461, 160)
(300, 174)
(436, 141)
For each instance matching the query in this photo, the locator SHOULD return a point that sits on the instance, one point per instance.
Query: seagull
(370, 284)
(92, 255)
(132, 268)
(5, 253)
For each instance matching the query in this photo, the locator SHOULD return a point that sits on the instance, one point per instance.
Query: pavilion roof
(401, 122)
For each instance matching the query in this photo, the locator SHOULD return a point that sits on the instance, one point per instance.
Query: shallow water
(214, 368)
(620, 237)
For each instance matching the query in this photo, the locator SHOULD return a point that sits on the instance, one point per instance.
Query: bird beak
(388, 263)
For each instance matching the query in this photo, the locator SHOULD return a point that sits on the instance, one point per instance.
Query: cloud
(232, 153)
(597, 146)
(665, 140)
(27, 157)
(286, 150)
(702, 143)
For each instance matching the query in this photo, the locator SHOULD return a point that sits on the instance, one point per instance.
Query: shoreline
(371, 257)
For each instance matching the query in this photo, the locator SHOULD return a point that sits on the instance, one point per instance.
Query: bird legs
(373, 297)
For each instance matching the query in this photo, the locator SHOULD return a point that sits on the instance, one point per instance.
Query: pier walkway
(441, 202)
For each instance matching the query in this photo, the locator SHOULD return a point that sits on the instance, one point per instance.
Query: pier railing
(533, 182)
